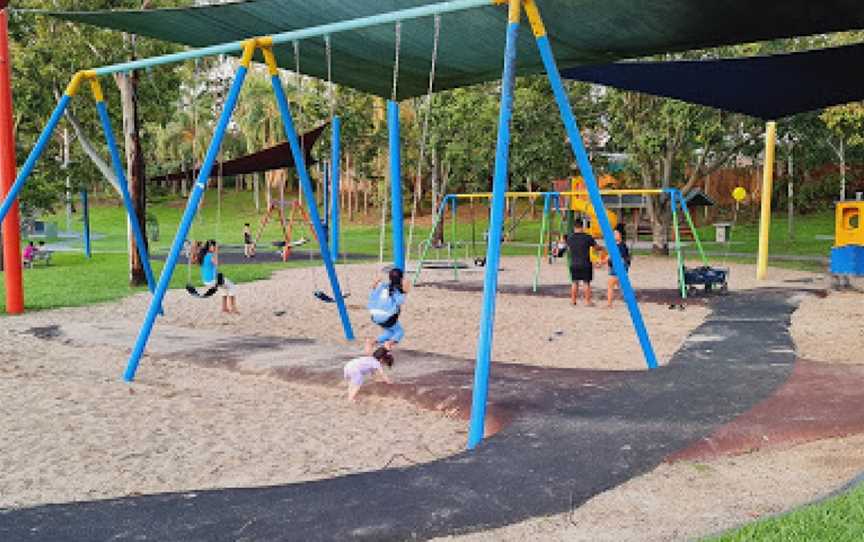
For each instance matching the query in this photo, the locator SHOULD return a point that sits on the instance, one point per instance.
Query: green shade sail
(472, 42)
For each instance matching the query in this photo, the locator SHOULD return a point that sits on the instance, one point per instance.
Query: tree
(47, 53)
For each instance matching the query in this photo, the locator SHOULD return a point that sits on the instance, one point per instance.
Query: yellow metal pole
(767, 184)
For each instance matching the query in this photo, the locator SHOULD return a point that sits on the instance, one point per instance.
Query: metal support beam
(544, 227)
(11, 223)
(335, 163)
(120, 173)
(308, 190)
(85, 211)
(587, 172)
(396, 214)
(496, 225)
(679, 256)
(767, 187)
(188, 216)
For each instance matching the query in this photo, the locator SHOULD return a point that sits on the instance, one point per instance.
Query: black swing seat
(444, 264)
(297, 243)
(210, 292)
(321, 295)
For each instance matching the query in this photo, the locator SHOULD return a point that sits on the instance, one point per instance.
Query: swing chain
(299, 87)
(331, 97)
(396, 62)
(424, 135)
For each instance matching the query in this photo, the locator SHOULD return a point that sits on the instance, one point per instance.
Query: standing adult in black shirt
(579, 244)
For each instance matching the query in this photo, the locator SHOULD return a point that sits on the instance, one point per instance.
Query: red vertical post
(11, 226)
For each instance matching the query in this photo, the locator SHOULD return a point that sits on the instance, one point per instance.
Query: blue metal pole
(30, 164)
(140, 242)
(595, 196)
(336, 158)
(493, 250)
(85, 209)
(185, 225)
(396, 217)
(309, 194)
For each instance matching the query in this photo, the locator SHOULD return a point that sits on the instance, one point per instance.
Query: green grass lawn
(72, 280)
(839, 519)
(806, 241)
(226, 226)
(237, 208)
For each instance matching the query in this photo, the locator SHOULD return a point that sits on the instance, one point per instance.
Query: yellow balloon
(739, 194)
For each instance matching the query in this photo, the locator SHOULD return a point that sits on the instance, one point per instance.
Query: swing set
(268, 45)
(555, 204)
(287, 225)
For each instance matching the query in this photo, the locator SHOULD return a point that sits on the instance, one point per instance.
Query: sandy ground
(830, 330)
(71, 430)
(532, 330)
(686, 501)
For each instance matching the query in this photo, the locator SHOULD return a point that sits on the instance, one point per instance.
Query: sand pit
(72, 431)
(830, 329)
(532, 330)
(687, 501)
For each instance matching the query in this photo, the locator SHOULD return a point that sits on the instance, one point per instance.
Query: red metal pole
(11, 226)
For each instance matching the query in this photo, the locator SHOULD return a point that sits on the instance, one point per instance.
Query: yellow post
(767, 184)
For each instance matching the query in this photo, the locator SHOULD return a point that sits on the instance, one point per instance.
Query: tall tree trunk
(268, 196)
(659, 227)
(842, 171)
(707, 193)
(657, 215)
(128, 85)
(256, 183)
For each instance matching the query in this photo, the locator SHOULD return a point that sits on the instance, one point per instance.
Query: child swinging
(385, 305)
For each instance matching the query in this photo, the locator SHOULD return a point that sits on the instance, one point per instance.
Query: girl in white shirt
(359, 369)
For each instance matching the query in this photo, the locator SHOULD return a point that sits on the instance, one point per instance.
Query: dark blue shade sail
(765, 87)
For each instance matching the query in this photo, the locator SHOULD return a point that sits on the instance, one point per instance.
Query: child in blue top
(210, 276)
(385, 305)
